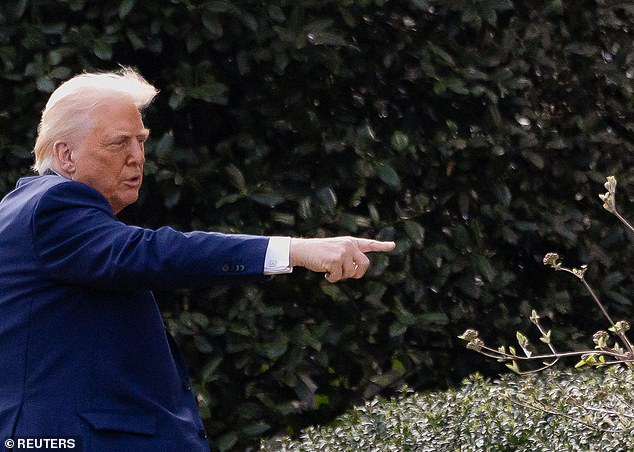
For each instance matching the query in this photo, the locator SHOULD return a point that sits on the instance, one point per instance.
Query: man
(83, 350)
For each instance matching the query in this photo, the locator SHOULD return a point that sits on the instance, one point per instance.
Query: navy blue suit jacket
(83, 350)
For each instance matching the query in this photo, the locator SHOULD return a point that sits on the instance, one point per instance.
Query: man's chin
(123, 203)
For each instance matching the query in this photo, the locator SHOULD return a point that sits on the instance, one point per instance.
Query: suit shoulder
(56, 192)
(29, 191)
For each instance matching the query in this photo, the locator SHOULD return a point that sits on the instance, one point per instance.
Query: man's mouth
(133, 181)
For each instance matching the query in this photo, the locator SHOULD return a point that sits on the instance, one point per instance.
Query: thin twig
(597, 301)
(506, 356)
(623, 220)
(556, 413)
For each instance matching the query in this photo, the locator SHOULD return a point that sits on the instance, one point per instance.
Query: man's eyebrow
(145, 133)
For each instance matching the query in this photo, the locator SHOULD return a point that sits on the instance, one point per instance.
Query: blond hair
(68, 111)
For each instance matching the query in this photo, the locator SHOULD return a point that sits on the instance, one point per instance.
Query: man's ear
(63, 157)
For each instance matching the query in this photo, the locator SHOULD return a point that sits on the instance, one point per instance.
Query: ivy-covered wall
(476, 133)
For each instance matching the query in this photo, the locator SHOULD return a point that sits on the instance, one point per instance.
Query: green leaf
(484, 267)
(521, 339)
(557, 143)
(421, 4)
(580, 364)
(618, 297)
(397, 329)
(274, 350)
(200, 319)
(554, 8)
(226, 442)
(229, 199)
(503, 194)
(19, 8)
(102, 50)
(386, 379)
(502, 5)
(307, 339)
(348, 222)
(236, 178)
(472, 73)
(216, 329)
(321, 400)
(388, 175)
(221, 6)
(136, 42)
(398, 367)
(276, 13)
(513, 366)
(60, 73)
(125, 7)
(165, 145)
(613, 279)
(249, 410)
(208, 372)
(177, 98)
(405, 317)
(240, 329)
(415, 232)
(527, 226)
(583, 49)
(249, 21)
(333, 291)
(399, 141)
(287, 219)
(268, 199)
(212, 92)
(439, 318)
(327, 198)
(172, 196)
(325, 38)
(202, 344)
(456, 85)
(256, 429)
(318, 25)
(442, 54)
(45, 84)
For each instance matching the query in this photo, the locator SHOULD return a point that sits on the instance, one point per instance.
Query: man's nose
(137, 154)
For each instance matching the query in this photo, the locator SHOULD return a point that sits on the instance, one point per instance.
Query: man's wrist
(296, 252)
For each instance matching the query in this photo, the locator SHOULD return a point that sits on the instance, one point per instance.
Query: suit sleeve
(79, 241)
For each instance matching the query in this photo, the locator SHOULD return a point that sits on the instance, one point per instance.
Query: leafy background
(475, 133)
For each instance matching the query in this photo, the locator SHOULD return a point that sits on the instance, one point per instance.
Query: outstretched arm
(338, 257)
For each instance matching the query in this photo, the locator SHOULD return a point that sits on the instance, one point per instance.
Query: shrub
(556, 410)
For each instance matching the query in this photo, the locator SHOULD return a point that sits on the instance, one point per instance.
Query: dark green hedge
(476, 133)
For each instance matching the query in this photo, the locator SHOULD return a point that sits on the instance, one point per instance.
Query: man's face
(110, 156)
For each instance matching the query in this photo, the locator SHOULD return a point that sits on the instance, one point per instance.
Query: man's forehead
(118, 118)
(117, 112)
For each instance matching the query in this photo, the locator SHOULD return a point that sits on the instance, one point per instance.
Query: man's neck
(52, 170)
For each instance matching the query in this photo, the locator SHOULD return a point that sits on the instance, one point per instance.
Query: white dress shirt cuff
(277, 258)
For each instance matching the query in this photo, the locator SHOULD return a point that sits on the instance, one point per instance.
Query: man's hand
(338, 257)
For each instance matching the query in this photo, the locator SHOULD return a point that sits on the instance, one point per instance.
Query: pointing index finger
(369, 245)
